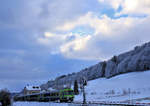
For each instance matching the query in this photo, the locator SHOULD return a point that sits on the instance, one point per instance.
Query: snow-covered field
(38, 104)
(125, 87)
(128, 88)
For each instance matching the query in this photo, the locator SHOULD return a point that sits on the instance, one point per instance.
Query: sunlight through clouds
(130, 7)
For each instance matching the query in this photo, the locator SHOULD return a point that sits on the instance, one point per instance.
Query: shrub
(5, 98)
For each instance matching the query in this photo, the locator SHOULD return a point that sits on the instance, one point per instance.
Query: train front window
(68, 92)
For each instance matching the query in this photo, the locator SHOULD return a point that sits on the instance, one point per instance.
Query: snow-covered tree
(76, 91)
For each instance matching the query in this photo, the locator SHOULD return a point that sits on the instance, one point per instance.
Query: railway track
(106, 103)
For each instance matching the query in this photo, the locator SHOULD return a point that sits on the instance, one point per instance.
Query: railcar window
(52, 94)
(63, 93)
(47, 94)
(33, 95)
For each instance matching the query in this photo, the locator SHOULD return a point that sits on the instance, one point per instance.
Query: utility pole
(84, 83)
(84, 96)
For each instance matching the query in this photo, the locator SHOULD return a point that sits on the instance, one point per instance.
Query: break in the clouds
(128, 7)
(37, 36)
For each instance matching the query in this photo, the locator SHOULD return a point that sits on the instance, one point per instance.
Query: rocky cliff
(134, 60)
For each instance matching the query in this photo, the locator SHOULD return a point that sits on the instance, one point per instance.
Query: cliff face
(135, 60)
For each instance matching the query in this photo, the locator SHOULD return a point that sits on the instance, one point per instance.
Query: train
(65, 95)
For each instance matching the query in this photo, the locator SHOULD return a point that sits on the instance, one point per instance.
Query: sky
(43, 39)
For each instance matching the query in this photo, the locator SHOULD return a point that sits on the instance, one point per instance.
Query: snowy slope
(119, 88)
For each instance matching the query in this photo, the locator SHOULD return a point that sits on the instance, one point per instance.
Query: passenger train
(65, 95)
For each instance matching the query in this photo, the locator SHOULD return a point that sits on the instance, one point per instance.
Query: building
(31, 90)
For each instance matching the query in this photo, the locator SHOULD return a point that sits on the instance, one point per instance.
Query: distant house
(31, 90)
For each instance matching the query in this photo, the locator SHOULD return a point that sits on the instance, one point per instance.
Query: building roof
(32, 87)
(51, 89)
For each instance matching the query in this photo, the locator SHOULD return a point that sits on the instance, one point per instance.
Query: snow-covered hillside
(135, 60)
(125, 87)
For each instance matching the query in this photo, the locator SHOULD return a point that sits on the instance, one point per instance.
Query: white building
(31, 90)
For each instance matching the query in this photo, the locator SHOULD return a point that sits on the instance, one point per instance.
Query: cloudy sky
(42, 39)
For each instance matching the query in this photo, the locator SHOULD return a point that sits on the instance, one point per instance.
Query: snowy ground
(125, 87)
(38, 104)
(53, 104)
